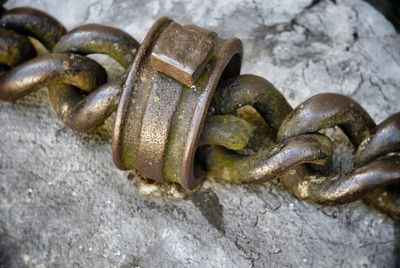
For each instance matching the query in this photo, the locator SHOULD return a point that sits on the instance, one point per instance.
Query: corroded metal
(228, 131)
(184, 110)
(385, 139)
(269, 163)
(44, 70)
(84, 113)
(159, 119)
(34, 23)
(329, 110)
(14, 48)
(183, 52)
(101, 39)
(325, 111)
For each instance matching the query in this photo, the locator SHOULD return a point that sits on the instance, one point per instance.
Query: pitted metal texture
(183, 110)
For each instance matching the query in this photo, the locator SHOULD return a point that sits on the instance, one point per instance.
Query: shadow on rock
(8, 251)
(210, 207)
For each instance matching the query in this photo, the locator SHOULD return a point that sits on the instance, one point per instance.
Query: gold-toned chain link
(251, 134)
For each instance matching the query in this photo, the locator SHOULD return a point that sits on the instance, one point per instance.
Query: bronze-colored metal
(329, 110)
(160, 119)
(34, 23)
(101, 39)
(296, 147)
(268, 163)
(385, 139)
(343, 188)
(254, 91)
(84, 113)
(182, 52)
(81, 72)
(228, 131)
(325, 111)
(182, 109)
(14, 48)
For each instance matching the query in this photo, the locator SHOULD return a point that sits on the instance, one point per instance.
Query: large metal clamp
(165, 100)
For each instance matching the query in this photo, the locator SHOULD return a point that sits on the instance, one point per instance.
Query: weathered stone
(64, 204)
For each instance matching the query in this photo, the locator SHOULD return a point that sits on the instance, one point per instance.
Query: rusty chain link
(182, 109)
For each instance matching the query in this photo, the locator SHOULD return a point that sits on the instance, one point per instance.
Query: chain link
(251, 133)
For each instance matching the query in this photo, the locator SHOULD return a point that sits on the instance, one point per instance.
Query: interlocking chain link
(251, 134)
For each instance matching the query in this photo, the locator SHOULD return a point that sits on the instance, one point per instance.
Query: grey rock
(64, 204)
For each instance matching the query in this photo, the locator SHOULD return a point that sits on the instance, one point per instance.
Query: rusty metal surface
(171, 114)
(44, 70)
(183, 110)
(101, 39)
(14, 48)
(34, 23)
(84, 113)
(182, 52)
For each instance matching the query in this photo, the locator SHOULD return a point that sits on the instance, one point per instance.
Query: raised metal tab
(182, 52)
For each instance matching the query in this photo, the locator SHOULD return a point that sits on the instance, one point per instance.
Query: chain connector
(165, 100)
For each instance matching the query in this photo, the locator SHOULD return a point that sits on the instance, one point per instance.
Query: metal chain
(251, 133)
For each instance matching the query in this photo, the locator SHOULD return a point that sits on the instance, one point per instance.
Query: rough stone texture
(391, 10)
(63, 204)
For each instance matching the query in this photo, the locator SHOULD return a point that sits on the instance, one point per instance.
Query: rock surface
(64, 204)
